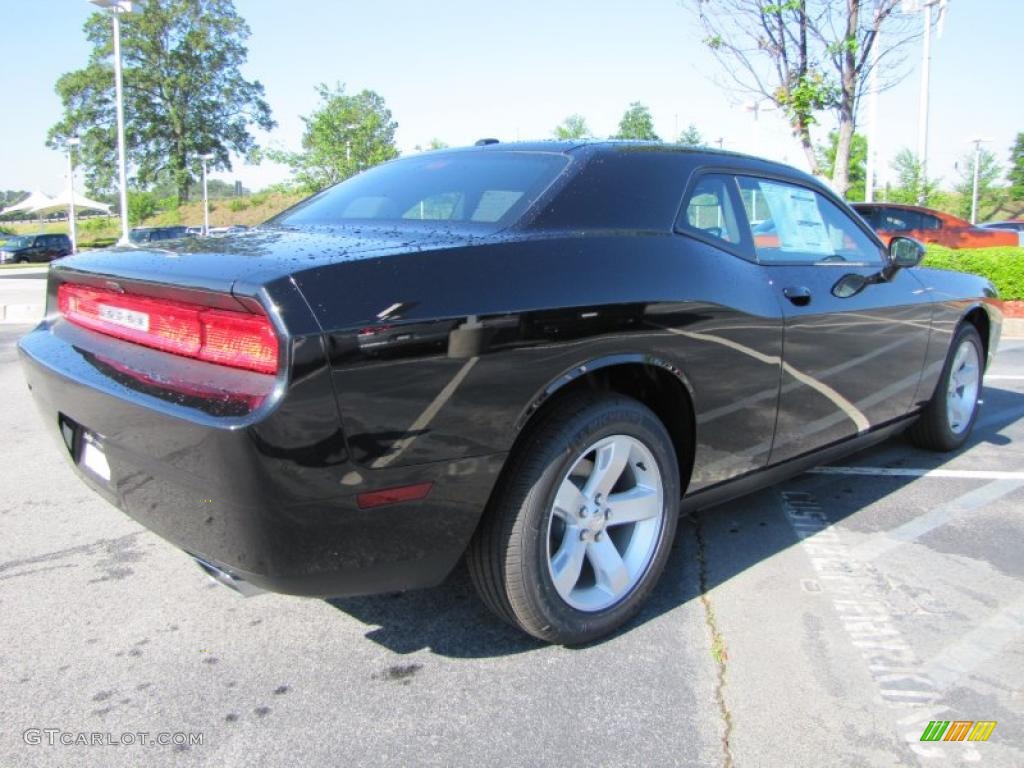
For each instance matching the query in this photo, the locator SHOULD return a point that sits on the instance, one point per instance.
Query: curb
(1013, 327)
(21, 314)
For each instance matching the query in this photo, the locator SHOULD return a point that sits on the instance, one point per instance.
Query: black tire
(21, 260)
(932, 430)
(508, 557)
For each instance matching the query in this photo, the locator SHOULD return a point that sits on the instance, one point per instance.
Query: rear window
(486, 190)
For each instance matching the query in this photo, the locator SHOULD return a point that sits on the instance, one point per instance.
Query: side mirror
(905, 252)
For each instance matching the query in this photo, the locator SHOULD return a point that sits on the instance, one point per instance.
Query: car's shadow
(451, 621)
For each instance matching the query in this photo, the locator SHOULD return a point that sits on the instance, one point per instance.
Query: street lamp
(348, 142)
(117, 8)
(759, 106)
(72, 142)
(912, 6)
(872, 158)
(977, 162)
(206, 199)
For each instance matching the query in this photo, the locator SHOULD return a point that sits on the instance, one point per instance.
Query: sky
(461, 70)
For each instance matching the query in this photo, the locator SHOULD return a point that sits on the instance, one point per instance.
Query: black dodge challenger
(533, 356)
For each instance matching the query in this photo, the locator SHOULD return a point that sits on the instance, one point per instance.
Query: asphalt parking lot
(824, 621)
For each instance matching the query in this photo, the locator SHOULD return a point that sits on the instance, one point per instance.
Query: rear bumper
(267, 496)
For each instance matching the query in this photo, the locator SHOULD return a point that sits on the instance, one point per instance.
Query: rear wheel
(579, 530)
(947, 420)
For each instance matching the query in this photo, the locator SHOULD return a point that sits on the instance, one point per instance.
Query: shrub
(141, 206)
(1003, 266)
(96, 224)
(168, 203)
(238, 204)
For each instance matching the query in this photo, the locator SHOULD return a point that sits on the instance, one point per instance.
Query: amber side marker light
(235, 339)
(393, 495)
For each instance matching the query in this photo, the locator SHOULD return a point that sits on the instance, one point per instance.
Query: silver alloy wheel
(604, 526)
(964, 381)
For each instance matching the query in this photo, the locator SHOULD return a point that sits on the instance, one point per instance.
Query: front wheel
(946, 422)
(579, 530)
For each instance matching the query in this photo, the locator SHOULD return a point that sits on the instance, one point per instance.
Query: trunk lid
(256, 257)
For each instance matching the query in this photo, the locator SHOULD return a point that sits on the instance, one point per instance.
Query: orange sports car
(929, 226)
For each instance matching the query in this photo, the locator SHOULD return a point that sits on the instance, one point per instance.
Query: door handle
(798, 295)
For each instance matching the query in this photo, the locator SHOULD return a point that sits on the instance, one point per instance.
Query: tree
(184, 94)
(691, 137)
(989, 172)
(573, 127)
(637, 123)
(913, 187)
(1016, 174)
(807, 57)
(858, 170)
(141, 206)
(345, 135)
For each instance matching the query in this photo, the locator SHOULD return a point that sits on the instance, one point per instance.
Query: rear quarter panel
(512, 320)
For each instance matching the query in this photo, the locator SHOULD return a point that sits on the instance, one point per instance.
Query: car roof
(947, 217)
(709, 155)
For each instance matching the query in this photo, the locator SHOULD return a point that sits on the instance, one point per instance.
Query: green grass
(1003, 266)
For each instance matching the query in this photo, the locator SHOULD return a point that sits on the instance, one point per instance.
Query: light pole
(912, 6)
(116, 8)
(206, 198)
(73, 142)
(348, 142)
(974, 192)
(869, 171)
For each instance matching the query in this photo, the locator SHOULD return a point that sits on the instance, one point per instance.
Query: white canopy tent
(30, 204)
(38, 203)
(63, 200)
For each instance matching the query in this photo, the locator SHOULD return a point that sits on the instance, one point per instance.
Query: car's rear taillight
(237, 339)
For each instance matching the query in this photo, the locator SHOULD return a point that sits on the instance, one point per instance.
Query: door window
(791, 224)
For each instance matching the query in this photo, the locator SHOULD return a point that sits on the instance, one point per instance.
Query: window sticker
(798, 220)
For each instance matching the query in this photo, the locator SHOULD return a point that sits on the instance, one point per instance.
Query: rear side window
(485, 190)
(790, 223)
(899, 220)
(870, 215)
(709, 210)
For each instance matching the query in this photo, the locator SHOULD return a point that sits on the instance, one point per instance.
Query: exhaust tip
(239, 585)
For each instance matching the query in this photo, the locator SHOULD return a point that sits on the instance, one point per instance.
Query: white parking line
(970, 651)
(972, 501)
(959, 474)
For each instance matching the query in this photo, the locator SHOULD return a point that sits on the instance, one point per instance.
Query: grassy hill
(101, 231)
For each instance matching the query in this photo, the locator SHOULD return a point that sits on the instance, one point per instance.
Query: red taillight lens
(237, 339)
